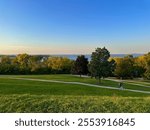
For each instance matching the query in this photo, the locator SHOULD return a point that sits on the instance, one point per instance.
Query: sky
(74, 26)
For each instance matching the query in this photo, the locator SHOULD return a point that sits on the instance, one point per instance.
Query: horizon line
(78, 54)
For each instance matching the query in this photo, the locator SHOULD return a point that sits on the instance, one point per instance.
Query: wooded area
(100, 65)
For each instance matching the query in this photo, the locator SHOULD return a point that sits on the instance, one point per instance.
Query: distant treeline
(100, 65)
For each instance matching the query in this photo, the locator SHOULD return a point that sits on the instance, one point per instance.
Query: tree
(147, 66)
(59, 64)
(5, 65)
(100, 65)
(22, 61)
(124, 67)
(36, 64)
(80, 66)
(112, 66)
(5, 60)
(139, 66)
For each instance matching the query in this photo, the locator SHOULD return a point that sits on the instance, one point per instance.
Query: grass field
(23, 95)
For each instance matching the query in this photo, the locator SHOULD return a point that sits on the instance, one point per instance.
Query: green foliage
(80, 66)
(67, 104)
(5, 65)
(100, 66)
(147, 66)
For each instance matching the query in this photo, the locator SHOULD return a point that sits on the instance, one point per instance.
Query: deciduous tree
(100, 65)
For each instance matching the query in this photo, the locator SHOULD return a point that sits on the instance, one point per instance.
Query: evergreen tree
(80, 66)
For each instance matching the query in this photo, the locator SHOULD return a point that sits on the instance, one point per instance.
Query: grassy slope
(11, 86)
(35, 96)
(86, 80)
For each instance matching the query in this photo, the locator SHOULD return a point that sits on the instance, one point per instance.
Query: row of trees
(130, 67)
(27, 64)
(100, 65)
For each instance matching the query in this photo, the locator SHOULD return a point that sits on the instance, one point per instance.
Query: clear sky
(74, 26)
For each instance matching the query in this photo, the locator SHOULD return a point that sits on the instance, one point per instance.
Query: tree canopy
(80, 66)
(100, 66)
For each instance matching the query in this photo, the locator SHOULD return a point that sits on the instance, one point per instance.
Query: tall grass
(81, 104)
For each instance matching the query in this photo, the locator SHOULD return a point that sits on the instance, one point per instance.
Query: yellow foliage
(59, 63)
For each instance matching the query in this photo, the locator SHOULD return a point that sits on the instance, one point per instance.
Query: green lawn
(71, 78)
(13, 86)
(18, 95)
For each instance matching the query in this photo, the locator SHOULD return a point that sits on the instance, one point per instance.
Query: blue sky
(74, 26)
